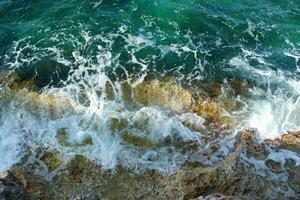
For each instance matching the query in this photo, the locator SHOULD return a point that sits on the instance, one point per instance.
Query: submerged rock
(52, 160)
(138, 141)
(55, 106)
(63, 138)
(15, 82)
(24, 95)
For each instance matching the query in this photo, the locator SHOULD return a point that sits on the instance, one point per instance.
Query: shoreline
(60, 174)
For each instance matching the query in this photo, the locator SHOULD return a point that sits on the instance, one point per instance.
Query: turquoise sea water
(193, 39)
(73, 48)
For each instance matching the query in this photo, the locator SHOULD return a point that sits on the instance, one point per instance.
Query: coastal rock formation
(233, 178)
(24, 95)
(251, 169)
(12, 188)
(289, 141)
(164, 94)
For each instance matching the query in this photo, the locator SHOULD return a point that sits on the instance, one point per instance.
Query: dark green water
(70, 46)
(193, 39)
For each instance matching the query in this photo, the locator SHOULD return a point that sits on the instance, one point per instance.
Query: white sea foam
(11, 142)
(271, 112)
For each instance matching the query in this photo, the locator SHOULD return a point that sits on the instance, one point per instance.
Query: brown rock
(165, 94)
(207, 108)
(12, 189)
(230, 177)
(138, 141)
(290, 141)
(14, 81)
(239, 87)
(52, 160)
(63, 139)
(294, 175)
(274, 166)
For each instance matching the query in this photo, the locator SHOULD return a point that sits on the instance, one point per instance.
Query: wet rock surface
(248, 170)
(12, 188)
(289, 141)
(167, 94)
(232, 178)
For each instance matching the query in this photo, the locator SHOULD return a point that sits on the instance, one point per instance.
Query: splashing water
(88, 58)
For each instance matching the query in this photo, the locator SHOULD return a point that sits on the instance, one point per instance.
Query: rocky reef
(251, 169)
(232, 178)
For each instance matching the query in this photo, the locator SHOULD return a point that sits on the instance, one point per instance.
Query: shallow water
(86, 52)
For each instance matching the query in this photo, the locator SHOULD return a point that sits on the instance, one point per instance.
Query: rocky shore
(252, 169)
(232, 178)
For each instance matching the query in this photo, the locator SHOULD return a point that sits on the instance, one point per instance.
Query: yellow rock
(55, 106)
(207, 108)
(166, 94)
(23, 91)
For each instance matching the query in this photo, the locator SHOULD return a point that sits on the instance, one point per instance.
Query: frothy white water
(144, 137)
(273, 119)
(278, 113)
(275, 110)
(11, 142)
(105, 131)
